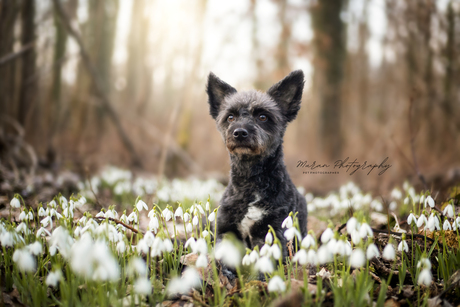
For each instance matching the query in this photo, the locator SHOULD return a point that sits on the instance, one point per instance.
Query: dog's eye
(230, 118)
(262, 117)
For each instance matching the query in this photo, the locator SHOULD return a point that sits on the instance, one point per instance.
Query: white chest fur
(253, 215)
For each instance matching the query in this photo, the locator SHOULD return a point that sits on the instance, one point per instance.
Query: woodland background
(88, 83)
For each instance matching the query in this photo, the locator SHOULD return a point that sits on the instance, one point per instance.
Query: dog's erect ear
(217, 90)
(288, 94)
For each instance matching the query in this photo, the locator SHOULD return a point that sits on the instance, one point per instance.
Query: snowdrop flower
(82, 201)
(121, 246)
(448, 211)
(212, 216)
(137, 266)
(143, 286)
(403, 246)
(190, 242)
(167, 214)
(141, 205)
(190, 279)
(365, 230)
(132, 217)
(300, 257)
(24, 260)
(356, 237)
(195, 220)
(265, 250)
(424, 263)
(352, 224)
(53, 278)
(425, 277)
(124, 218)
(157, 247)
(246, 260)
(52, 204)
(411, 219)
(189, 227)
(179, 212)
(275, 251)
(357, 258)
(202, 261)
(22, 216)
(269, 238)
(42, 232)
(308, 241)
(287, 223)
(396, 193)
(204, 234)
(15, 203)
(154, 224)
(430, 201)
(253, 256)
(433, 223)
(276, 284)
(167, 244)
(339, 248)
(446, 225)
(291, 232)
(327, 235)
(406, 201)
(63, 202)
(228, 253)
(208, 206)
(186, 217)
(109, 214)
(423, 200)
(421, 220)
(6, 238)
(35, 248)
(148, 238)
(264, 265)
(22, 228)
(324, 254)
(142, 246)
(389, 252)
(200, 209)
(312, 257)
(456, 224)
(41, 212)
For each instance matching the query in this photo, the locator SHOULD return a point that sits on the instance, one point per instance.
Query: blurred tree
(282, 57)
(330, 53)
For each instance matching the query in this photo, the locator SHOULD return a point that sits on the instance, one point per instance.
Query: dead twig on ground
(119, 222)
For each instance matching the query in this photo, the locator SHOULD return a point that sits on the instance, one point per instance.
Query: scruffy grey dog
(260, 191)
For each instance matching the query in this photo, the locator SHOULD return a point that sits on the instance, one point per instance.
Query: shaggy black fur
(260, 191)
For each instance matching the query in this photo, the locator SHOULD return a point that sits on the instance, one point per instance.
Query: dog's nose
(240, 133)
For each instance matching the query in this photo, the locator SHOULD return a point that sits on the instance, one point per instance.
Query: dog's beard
(244, 149)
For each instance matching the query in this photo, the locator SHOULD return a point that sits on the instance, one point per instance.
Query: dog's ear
(288, 94)
(217, 90)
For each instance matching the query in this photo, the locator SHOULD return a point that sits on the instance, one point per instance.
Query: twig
(14, 55)
(401, 233)
(119, 222)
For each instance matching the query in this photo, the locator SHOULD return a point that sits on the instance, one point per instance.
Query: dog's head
(253, 123)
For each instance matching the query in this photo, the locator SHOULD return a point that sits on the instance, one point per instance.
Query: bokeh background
(85, 84)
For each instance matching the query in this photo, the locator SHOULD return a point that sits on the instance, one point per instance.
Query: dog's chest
(253, 215)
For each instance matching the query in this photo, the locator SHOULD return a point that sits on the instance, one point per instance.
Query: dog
(260, 192)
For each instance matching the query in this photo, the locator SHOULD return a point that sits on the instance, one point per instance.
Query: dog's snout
(240, 133)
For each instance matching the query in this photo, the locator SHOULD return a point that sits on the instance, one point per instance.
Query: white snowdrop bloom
(246, 260)
(402, 246)
(324, 254)
(352, 224)
(124, 218)
(105, 263)
(202, 261)
(312, 257)
(276, 284)
(62, 240)
(393, 205)
(275, 251)
(15, 203)
(228, 253)
(446, 225)
(53, 249)
(42, 232)
(121, 246)
(195, 220)
(52, 204)
(41, 212)
(308, 241)
(53, 278)
(82, 201)
(356, 237)
(58, 215)
(35, 248)
(357, 258)
(389, 252)
(47, 211)
(411, 219)
(396, 193)
(82, 220)
(189, 227)
(424, 263)
(143, 286)
(68, 213)
(253, 256)
(187, 217)
(421, 220)
(157, 247)
(365, 230)
(265, 250)
(179, 212)
(22, 215)
(433, 223)
(204, 234)
(264, 265)
(348, 248)
(269, 238)
(6, 238)
(190, 279)
(46, 221)
(24, 260)
(301, 257)
(168, 246)
(63, 202)
(141, 205)
(148, 238)
(327, 235)
(208, 206)
(290, 233)
(167, 214)
(331, 245)
(339, 248)
(100, 214)
(448, 211)
(424, 278)
(212, 216)
(109, 214)
(287, 223)
(406, 201)
(154, 224)
(430, 201)
(376, 205)
(132, 217)
(190, 242)
(22, 228)
(455, 225)
(142, 246)
(137, 266)
(200, 209)
(372, 251)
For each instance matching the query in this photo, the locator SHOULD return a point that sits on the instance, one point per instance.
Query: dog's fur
(260, 191)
